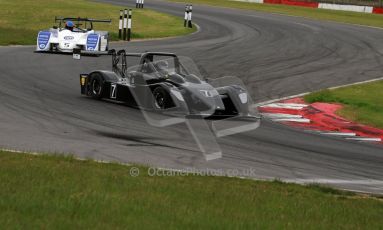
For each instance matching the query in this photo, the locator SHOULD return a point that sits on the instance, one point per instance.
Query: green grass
(363, 103)
(330, 15)
(20, 20)
(56, 192)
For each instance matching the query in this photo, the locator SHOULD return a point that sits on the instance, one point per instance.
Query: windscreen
(163, 66)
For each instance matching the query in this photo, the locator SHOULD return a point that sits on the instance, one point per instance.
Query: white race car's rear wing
(81, 19)
(78, 20)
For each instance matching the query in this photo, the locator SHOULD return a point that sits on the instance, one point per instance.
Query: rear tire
(96, 86)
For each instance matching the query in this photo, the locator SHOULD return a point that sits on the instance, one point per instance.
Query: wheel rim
(159, 101)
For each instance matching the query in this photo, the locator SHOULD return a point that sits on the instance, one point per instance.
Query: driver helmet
(162, 65)
(69, 25)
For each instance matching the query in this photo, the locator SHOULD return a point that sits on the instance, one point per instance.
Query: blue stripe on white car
(92, 42)
(43, 40)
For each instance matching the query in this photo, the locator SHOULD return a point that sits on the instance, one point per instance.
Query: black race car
(163, 82)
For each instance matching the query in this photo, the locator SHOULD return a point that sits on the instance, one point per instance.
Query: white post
(125, 22)
(120, 25)
(186, 15)
(190, 24)
(129, 24)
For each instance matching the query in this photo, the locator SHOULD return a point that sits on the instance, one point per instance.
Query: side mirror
(54, 27)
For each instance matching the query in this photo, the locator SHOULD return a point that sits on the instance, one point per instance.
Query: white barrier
(328, 6)
(252, 1)
(362, 9)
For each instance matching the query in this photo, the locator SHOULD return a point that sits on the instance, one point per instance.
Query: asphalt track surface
(41, 108)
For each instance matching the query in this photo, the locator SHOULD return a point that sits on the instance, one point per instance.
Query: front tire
(96, 86)
(162, 99)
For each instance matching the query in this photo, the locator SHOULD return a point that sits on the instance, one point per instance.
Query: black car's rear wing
(119, 62)
(118, 58)
(77, 53)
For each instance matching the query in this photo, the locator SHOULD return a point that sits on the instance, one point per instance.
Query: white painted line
(18, 151)
(238, 129)
(285, 106)
(300, 120)
(280, 99)
(357, 83)
(75, 157)
(339, 134)
(280, 115)
(292, 104)
(336, 181)
(364, 139)
(303, 94)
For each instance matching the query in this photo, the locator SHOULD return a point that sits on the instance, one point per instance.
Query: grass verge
(329, 15)
(363, 103)
(20, 20)
(50, 192)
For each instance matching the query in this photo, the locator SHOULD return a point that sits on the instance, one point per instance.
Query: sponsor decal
(68, 38)
(43, 39)
(92, 42)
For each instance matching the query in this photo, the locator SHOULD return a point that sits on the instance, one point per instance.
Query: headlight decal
(243, 97)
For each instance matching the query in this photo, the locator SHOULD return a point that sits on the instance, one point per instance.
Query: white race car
(73, 36)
